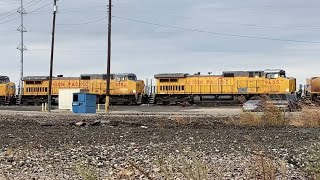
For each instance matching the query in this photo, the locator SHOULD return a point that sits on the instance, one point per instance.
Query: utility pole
(22, 48)
(109, 58)
(55, 8)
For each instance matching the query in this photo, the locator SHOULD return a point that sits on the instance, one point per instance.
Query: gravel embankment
(43, 146)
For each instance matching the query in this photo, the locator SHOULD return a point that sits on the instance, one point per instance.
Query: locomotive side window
(132, 78)
(164, 80)
(182, 88)
(272, 76)
(229, 75)
(173, 80)
(85, 78)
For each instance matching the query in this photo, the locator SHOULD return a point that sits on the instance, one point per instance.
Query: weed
(86, 172)
(310, 118)
(313, 161)
(273, 116)
(186, 165)
(249, 119)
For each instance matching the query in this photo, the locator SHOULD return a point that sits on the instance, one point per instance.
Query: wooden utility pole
(55, 8)
(109, 58)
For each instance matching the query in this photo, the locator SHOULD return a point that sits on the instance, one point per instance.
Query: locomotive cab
(274, 74)
(125, 77)
(4, 79)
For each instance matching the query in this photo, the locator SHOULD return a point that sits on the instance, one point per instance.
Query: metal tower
(22, 48)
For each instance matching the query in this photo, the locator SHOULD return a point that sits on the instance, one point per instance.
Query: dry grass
(248, 119)
(178, 121)
(86, 172)
(267, 168)
(263, 168)
(271, 116)
(308, 118)
(186, 165)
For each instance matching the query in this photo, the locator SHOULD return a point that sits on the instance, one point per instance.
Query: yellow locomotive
(7, 91)
(124, 88)
(231, 85)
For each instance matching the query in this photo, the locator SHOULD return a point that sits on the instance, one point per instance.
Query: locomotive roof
(32, 78)
(4, 77)
(171, 75)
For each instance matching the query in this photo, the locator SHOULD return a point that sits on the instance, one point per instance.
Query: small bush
(249, 119)
(273, 116)
(86, 172)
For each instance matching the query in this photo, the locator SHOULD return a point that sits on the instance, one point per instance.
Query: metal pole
(21, 48)
(107, 108)
(52, 51)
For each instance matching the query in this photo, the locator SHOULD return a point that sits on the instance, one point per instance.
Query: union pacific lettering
(73, 84)
(206, 82)
(58, 84)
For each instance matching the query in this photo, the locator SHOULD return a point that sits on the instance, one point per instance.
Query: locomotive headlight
(134, 91)
(287, 89)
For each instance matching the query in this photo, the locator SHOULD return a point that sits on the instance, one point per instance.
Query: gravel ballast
(66, 146)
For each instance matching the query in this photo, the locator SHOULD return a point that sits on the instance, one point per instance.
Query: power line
(83, 23)
(30, 12)
(13, 12)
(216, 33)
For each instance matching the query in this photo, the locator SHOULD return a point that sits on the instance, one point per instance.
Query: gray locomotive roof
(4, 77)
(171, 75)
(125, 74)
(32, 78)
(240, 72)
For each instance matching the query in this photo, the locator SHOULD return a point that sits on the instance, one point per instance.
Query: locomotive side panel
(230, 85)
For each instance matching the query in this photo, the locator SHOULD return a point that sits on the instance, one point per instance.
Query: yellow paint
(94, 86)
(7, 89)
(209, 84)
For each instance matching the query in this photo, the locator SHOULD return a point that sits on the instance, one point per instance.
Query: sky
(151, 37)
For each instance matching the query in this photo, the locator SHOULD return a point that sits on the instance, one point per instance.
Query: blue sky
(147, 49)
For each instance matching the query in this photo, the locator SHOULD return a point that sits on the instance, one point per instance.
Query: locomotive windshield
(4, 79)
(274, 74)
(125, 77)
(132, 78)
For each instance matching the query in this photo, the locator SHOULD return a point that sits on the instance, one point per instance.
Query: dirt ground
(66, 146)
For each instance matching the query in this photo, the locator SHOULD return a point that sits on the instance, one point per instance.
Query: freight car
(231, 86)
(7, 91)
(312, 91)
(124, 88)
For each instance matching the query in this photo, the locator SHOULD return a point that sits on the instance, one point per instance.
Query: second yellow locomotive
(7, 91)
(231, 85)
(124, 88)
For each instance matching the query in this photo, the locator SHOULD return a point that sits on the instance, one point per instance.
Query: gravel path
(52, 146)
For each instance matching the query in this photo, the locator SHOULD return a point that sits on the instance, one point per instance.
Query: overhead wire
(83, 23)
(216, 33)
(14, 11)
(30, 12)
